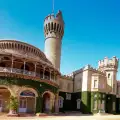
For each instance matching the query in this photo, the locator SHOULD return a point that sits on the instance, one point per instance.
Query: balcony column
(54, 75)
(12, 64)
(24, 66)
(50, 75)
(44, 73)
(35, 70)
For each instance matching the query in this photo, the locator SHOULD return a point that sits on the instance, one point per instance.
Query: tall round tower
(53, 31)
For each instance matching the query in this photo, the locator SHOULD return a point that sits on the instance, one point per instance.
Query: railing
(24, 72)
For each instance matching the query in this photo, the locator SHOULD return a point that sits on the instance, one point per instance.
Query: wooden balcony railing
(24, 72)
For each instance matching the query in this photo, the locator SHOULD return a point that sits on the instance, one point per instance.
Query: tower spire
(53, 6)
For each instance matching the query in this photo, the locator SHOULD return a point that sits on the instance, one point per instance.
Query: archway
(27, 101)
(46, 102)
(4, 99)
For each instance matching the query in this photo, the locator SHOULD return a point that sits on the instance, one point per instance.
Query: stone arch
(8, 88)
(27, 88)
(48, 101)
(50, 93)
(27, 102)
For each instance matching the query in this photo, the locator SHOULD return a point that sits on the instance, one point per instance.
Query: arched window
(60, 102)
(52, 26)
(95, 105)
(78, 103)
(109, 75)
(55, 26)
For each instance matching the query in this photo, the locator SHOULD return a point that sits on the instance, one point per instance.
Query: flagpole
(53, 6)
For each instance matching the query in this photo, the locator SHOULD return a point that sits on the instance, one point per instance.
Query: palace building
(31, 81)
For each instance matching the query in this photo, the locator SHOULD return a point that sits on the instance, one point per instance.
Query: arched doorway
(27, 102)
(46, 102)
(4, 99)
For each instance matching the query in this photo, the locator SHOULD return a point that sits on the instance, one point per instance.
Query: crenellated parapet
(88, 67)
(66, 77)
(54, 25)
(108, 63)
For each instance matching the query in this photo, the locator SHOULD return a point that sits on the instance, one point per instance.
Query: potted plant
(13, 106)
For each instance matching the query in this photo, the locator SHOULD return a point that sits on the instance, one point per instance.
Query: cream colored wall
(101, 83)
(112, 82)
(64, 83)
(86, 79)
(78, 82)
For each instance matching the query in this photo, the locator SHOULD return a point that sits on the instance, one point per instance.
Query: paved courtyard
(69, 117)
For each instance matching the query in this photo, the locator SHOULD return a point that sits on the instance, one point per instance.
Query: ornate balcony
(25, 72)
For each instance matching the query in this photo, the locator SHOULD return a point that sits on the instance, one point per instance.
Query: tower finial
(53, 6)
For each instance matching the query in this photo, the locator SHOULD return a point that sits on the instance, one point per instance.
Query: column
(52, 101)
(54, 75)
(50, 75)
(24, 66)
(35, 70)
(12, 64)
(44, 73)
(39, 104)
(56, 103)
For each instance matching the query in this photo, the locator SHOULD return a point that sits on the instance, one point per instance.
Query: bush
(13, 103)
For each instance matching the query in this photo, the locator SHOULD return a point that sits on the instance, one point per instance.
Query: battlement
(88, 67)
(66, 77)
(108, 63)
(54, 24)
(58, 17)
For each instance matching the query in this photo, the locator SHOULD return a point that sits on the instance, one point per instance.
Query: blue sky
(92, 28)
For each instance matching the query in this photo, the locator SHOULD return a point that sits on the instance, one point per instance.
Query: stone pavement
(68, 117)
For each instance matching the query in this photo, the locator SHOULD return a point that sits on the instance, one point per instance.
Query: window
(78, 103)
(99, 104)
(95, 84)
(60, 102)
(95, 105)
(113, 106)
(68, 96)
(109, 75)
(103, 105)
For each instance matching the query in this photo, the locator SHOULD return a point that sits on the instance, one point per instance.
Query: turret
(110, 66)
(53, 31)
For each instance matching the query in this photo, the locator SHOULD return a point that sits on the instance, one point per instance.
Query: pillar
(50, 75)
(39, 104)
(44, 73)
(12, 64)
(35, 70)
(56, 103)
(52, 99)
(54, 75)
(24, 66)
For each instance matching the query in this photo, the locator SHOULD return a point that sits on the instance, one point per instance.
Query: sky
(92, 28)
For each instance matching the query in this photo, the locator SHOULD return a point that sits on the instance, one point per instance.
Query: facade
(33, 78)
(92, 90)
